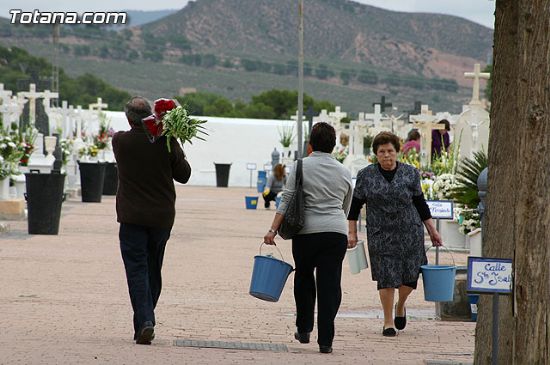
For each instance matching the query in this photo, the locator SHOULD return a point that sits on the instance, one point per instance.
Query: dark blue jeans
(142, 251)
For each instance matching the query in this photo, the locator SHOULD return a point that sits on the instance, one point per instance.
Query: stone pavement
(64, 298)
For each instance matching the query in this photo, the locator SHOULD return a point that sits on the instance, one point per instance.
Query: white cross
(425, 122)
(32, 95)
(476, 75)
(375, 117)
(5, 95)
(99, 106)
(79, 118)
(48, 95)
(338, 114)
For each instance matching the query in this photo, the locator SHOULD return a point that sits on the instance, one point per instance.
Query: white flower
(12, 145)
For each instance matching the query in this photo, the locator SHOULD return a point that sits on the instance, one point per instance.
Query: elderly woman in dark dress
(396, 210)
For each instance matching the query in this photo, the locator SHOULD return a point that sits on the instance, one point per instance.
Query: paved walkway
(63, 299)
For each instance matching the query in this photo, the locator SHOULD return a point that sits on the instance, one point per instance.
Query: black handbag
(293, 219)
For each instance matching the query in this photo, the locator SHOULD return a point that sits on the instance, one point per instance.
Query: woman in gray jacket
(322, 242)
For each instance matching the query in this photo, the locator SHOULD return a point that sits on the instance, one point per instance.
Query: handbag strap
(299, 173)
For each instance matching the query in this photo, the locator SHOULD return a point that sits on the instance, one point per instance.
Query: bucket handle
(280, 253)
(449, 251)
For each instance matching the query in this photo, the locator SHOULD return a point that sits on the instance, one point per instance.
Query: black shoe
(302, 337)
(389, 332)
(400, 322)
(146, 334)
(325, 349)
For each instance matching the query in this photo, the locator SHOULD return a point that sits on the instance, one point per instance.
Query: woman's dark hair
(413, 135)
(447, 124)
(384, 138)
(322, 137)
(136, 109)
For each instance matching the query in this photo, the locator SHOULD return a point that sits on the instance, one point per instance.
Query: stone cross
(48, 95)
(5, 95)
(476, 75)
(322, 117)
(338, 114)
(376, 117)
(31, 95)
(99, 106)
(79, 120)
(383, 104)
(310, 113)
(425, 123)
(65, 114)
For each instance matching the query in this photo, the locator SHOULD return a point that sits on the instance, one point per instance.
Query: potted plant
(286, 137)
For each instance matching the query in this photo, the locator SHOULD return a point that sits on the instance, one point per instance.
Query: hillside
(237, 48)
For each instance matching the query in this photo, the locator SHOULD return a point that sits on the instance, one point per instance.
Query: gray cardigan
(327, 194)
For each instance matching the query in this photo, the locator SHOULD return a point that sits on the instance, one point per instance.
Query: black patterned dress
(395, 235)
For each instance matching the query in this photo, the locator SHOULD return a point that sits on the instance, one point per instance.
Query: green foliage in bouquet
(466, 192)
(178, 124)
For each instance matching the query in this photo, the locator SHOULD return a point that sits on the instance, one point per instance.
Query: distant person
(145, 205)
(321, 245)
(413, 142)
(396, 210)
(440, 139)
(275, 184)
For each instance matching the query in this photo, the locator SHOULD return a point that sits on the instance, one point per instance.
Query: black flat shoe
(146, 334)
(389, 332)
(302, 337)
(400, 322)
(325, 349)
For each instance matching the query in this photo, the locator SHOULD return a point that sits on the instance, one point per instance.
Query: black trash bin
(110, 184)
(44, 197)
(92, 176)
(222, 174)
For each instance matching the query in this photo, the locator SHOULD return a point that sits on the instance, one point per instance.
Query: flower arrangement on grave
(26, 144)
(66, 149)
(103, 139)
(10, 154)
(286, 136)
(443, 186)
(89, 150)
(468, 221)
(172, 121)
(341, 154)
(412, 157)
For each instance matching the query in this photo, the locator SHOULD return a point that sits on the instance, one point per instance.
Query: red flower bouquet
(172, 120)
(153, 124)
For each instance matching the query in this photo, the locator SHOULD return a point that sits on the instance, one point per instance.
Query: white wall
(229, 140)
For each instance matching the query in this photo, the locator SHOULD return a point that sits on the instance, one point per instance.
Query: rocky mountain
(335, 31)
(354, 53)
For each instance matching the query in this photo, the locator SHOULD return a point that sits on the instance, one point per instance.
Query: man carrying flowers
(145, 204)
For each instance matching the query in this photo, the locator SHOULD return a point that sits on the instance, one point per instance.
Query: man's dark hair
(322, 137)
(385, 138)
(447, 124)
(136, 109)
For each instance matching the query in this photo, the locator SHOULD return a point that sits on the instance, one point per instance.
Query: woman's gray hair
(136, 109)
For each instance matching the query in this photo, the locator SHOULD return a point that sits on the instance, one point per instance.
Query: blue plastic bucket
(268, 278)
(251, 202)
(262, 180)
(439, 282)
(473, 298)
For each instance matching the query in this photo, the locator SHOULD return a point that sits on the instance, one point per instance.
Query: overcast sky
(480, 11)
